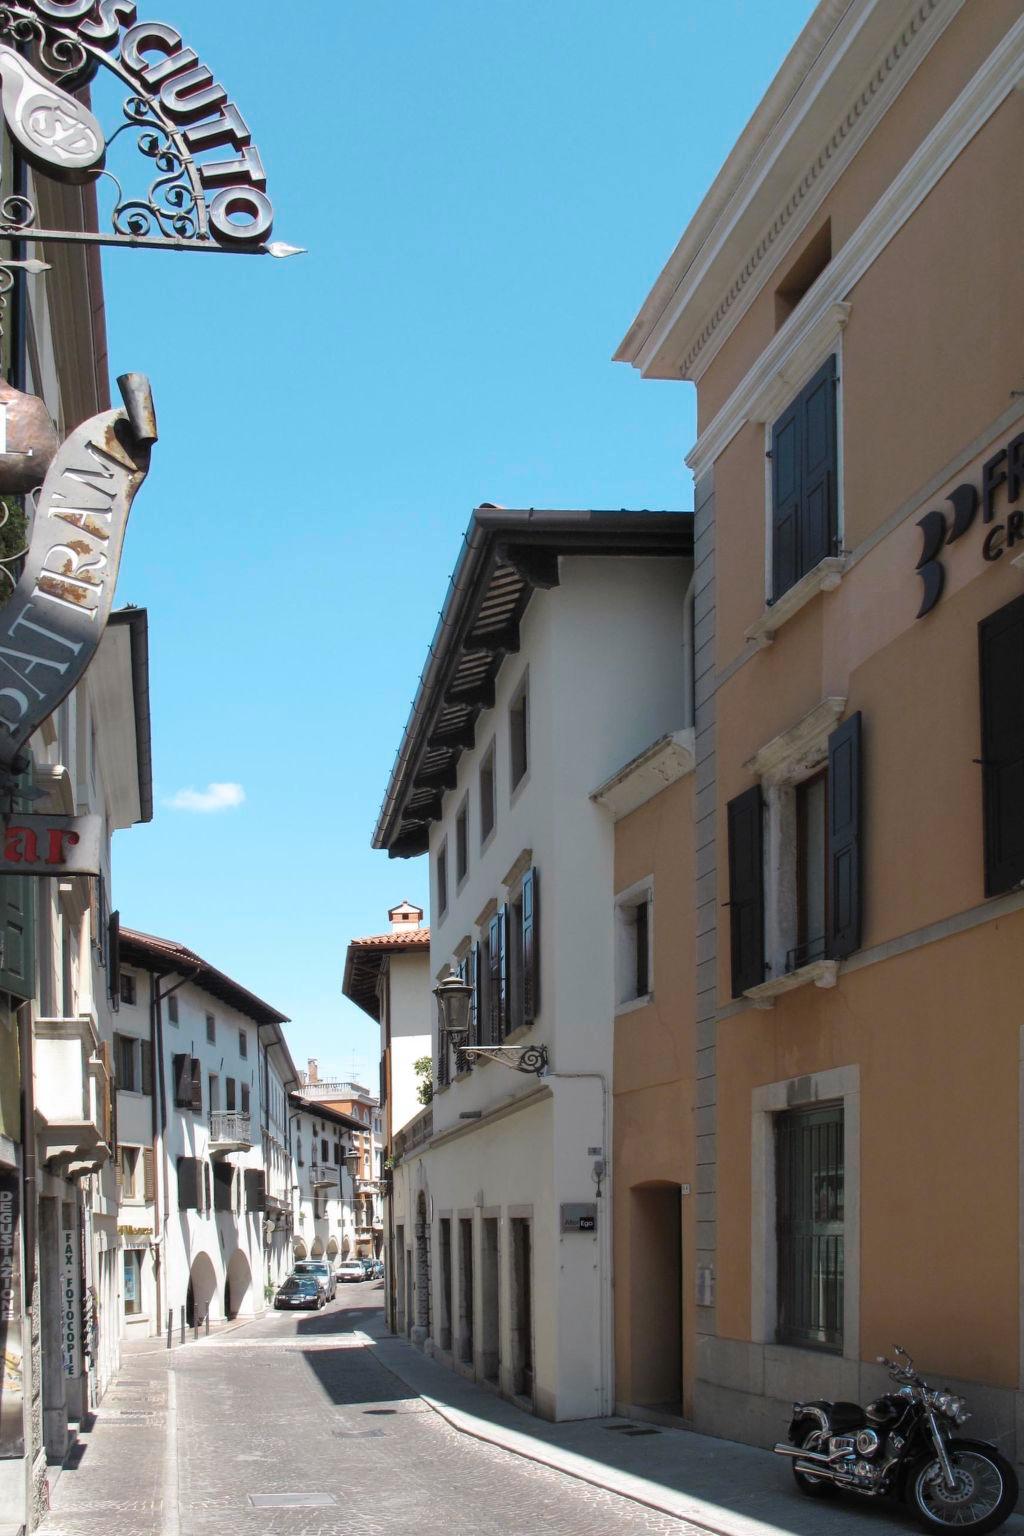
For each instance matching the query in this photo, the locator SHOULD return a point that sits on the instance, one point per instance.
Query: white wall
(411, 1005)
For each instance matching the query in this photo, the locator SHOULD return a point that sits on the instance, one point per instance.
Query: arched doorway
(346, 1247)
(656, 1296)
(202, 1287)
(332, 1248)
(318, 1248)
(422, 1282)
(300, 1249)
(237, 1284)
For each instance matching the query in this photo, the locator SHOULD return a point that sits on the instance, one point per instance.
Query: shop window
(804, 463)
(1001, 647)
(809, 1195)
(132, 1282)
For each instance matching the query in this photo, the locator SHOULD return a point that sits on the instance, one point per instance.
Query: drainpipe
(689, 701)
(28, 1148)
(158, 1120)
(604, 1230)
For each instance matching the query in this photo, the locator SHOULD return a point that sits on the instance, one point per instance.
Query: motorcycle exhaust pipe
(813, 1462)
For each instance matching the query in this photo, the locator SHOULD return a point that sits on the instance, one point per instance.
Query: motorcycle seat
(845, 1416)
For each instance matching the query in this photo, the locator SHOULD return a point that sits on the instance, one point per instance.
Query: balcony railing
(323, 1175)
(229, 1131)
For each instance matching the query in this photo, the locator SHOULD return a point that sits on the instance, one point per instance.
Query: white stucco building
(539, 685)
(325, 1173)
(198, 1247)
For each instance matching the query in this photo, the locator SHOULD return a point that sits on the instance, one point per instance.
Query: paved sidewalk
(718, 1485)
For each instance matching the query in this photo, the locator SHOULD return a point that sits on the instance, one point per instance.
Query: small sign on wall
(579, 1216)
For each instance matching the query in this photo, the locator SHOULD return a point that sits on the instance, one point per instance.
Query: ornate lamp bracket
(520, 1058)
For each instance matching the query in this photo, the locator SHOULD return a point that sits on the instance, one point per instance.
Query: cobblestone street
(290, 1425)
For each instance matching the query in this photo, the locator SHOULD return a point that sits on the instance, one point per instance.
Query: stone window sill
(825, 577)
(633, 1003)
(823, 973)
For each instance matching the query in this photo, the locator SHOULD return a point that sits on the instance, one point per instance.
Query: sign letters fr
(1002, 481)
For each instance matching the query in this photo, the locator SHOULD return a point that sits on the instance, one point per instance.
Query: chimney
(405, 918)
(311, 1071)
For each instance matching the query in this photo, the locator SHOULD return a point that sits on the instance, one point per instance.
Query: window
(129, 1160)
(523, 953)
(441, 878)
(634, 945)
(132, 1282)
(795, 854)
(519, 732)
(243, 1044)
(172, 1008)
(127, 987)
(809, 1193)
(213, 1091)
(462, 842)
(323, 1150)
(805, 481)
(803, 273)
(245, 1098)
(126, 1054)
(487, 795)
(229, 1094)
(1001, 647)
(497, 979)
(211, 1029)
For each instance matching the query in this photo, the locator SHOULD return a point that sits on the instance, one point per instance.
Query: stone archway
(332, 1248)
(421, 1332)
(237, 1285)
(299, 1249)
(317, 1251)
(346, 1246)
(202, 1288)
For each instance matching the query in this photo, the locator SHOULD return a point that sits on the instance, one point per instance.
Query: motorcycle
(903, 1444)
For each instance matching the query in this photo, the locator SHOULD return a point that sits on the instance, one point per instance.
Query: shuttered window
(844, 838)
(114, 980)
(197, 1085)
(223, 1185)
(746, 890)
(181, 1072)
(531, 946)
(809, 1194)
(188, 1184)
(1001, 654)
(126, 1063)
(149, 1175)
(17, 954)
(805, 481)
(496, 980)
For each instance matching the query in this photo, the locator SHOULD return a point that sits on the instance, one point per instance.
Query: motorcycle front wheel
(985, 1494)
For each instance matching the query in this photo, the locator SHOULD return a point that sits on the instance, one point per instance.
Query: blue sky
(487, 191)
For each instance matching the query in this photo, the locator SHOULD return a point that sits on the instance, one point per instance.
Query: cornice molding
(979, 99)
(876, 51)
(792, 752)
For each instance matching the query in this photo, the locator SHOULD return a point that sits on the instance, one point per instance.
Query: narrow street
(291, 1425)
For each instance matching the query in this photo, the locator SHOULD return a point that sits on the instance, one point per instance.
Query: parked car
(300, 1291)
(367, 1267)
(378, 1269)
(322, 1270)
(350, 1269)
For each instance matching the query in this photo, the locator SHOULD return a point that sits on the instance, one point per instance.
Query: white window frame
(626, 904)
(840, 1084)
(784, 762)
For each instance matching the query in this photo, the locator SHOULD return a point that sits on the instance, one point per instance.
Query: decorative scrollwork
(520, 1058)
(170, 206)
(533, 1058)
(17, 212)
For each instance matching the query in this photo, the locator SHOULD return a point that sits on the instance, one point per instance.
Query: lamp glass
(453, 1003)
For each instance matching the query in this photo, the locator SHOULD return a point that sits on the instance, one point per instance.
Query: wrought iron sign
(206, 186)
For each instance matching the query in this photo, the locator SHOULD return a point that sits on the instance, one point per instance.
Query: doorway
(464, 1341)
(656, 1297)
(445, 1298)
(522, 1307)
(490, 1348)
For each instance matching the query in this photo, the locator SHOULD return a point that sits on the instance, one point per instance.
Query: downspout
(604, 1229)
(158, 1123)
(689, 700)
(28, 1147)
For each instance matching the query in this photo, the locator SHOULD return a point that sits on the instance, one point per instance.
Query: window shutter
(787, 461)
(1001, 654)
(261, 1190)
(148, 1175)
(208, 1205)
(475, 1021)
(844, 860)
(196, 1098)
(494, 980)
(187, 1187)
(531, 947)
(181, 1069)
(17, 954)
(503, 997)
(114, 953)
(818, 492)
(746, 890)
(147, 1067)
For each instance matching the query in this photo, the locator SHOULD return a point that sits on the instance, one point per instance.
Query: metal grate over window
(809, 1225)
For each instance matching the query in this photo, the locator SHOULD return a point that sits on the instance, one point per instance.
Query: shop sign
(577, 1217)
(51, 845)
(70, 1303)
(12, 1362)
(1002, 480)
(54, 619)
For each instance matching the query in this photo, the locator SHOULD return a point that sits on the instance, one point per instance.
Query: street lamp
(454, 997)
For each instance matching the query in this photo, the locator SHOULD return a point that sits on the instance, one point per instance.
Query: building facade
(363, 1109)
(849, 314)
(537, 692)
(329, 1220)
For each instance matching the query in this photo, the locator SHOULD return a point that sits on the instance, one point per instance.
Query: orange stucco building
(833, 1062)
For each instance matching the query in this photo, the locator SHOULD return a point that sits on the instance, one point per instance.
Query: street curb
(625, 1484)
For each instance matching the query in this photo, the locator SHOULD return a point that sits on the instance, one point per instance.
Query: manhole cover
(291, 1500)
(631, 1429)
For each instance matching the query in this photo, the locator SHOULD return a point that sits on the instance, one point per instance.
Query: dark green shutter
(746, 890)
(1001, 655)
(804, 481)
(844, 854)
(18, 956)
(531, 947)
(476, 976)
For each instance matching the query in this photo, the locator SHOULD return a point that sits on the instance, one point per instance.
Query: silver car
(321, 1270)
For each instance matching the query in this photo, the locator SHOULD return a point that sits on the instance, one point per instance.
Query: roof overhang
(165, 957)
(841, 75)
(505, 556)
(118, 678)
(324, 1112)
(365, 960)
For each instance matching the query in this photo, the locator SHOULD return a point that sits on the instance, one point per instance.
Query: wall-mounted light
(454, 998)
